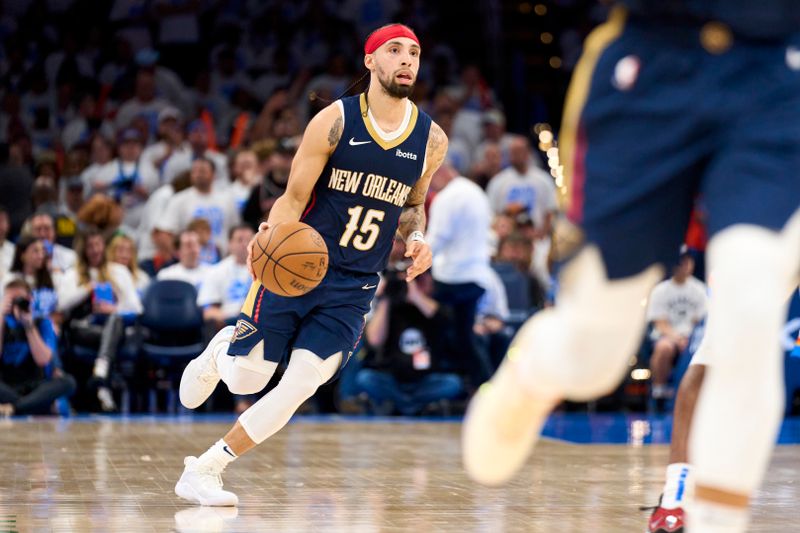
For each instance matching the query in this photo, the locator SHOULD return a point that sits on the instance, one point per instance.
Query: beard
(394, 89)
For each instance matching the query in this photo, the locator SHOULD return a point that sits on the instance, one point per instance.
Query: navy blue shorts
(666, 123)
(327, 320)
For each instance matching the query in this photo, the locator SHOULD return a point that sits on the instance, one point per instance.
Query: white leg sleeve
(245, 374)
(580, 348)
(741, 402)
(305, 373)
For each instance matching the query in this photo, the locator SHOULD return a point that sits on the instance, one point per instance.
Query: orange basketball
(290, 259)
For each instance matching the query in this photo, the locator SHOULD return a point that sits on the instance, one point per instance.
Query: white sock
(100, 367)
(218, 456)
(678, 486)
(708, 517)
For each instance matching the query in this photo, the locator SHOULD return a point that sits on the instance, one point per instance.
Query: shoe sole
(187, 492)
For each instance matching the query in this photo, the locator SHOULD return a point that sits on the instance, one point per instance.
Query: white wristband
(416, 236)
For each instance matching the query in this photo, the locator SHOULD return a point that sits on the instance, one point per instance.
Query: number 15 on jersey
(367, 228)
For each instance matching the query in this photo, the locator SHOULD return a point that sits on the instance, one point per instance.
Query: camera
(21, 303)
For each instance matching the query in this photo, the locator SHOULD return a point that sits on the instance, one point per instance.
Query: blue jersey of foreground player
(762, 19)
(357, 200)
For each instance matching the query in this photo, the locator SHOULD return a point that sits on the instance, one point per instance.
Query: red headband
(380, 36)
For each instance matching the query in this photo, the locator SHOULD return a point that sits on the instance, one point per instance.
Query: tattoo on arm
(411, 219)
(335, 132)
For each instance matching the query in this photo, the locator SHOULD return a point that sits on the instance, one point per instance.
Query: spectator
(276, 159)
(6, 246)
(209, 253)
(494, 134)
(61, 258)
(99, 297)
(491, 318)
(16, 183)
(524, 188)
(488, 165)
(197, 148)
(128, 179)
(245, 176)
(156, 249)
(201, 200)
(122, 250)
(102, 152)
(516, 253)
(676, 306)
(458, 234)
(188, 268)
(30, 379)
(226, 284)
(170, 143)
(88, 122)
(30, 264)
(405, 334)
(144, 103)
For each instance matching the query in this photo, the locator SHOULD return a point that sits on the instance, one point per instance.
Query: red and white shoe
(666, 520)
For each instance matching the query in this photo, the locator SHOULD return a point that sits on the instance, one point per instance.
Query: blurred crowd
(141, 143)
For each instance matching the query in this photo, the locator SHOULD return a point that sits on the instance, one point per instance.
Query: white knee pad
(304, 374)
(246, 374)
(580, 348)
(754, 269)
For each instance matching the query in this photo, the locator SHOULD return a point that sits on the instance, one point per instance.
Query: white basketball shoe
(202, 484)
(502, 424)
(200, 377)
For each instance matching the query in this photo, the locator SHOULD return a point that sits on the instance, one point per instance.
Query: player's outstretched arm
(411, 227)
(319, 141)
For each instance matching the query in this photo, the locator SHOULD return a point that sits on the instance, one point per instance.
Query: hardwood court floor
(118, 475)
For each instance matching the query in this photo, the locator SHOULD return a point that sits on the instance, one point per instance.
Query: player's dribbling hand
(261, 227)
(422, 256)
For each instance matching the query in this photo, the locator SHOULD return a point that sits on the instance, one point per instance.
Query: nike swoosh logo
(354, 142)
(367, 287)
(226, 450)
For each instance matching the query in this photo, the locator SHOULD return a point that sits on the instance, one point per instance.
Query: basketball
(290, 259)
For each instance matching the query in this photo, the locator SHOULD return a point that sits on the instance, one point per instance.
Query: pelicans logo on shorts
(243, 330)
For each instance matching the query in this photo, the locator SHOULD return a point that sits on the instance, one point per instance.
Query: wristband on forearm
(415, 236)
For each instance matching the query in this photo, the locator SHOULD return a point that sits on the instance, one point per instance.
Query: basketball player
(360, 174)
(680, 98)
(668, 516)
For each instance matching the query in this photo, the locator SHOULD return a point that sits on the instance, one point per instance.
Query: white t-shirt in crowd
(226, 284)
(156, 205)
(133, 108)
(682, 305)
(534, 191)
(196, 276)
(217, 207)
(154, 154)
(63, 259)
(458, 233)
(71, 293)
(6, 256)
(141, 172)
(182, 161)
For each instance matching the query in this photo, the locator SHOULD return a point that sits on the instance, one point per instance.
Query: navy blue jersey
(763, 19)
(358, 197)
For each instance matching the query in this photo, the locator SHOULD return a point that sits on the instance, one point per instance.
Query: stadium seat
(172, 333)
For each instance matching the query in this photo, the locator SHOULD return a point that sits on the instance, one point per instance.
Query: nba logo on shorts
(243, 330)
